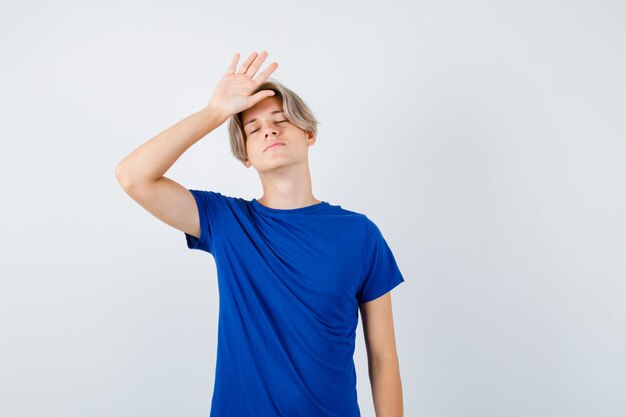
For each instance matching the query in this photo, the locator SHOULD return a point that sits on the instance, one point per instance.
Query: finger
(233, 64)
(263, 94)
(256, 64)
(266, 73)
(245, 65)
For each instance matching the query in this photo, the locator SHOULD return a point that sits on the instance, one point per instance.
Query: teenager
(293, 271)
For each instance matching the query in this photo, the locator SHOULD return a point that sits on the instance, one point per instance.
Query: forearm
(152, 159)
(386, 387)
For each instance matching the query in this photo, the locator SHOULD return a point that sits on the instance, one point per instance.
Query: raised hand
(233, 93)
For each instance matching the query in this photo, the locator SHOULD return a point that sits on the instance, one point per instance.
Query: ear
(246, 163)
(310, 138)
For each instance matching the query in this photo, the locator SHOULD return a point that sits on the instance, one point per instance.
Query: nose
(270, 131)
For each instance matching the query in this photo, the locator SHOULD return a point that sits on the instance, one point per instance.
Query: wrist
(216, 113)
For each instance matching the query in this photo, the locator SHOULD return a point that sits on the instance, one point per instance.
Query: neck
(287, 187)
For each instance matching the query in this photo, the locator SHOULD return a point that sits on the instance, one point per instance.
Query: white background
(486, 139)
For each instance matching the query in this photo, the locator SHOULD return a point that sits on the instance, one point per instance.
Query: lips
(273, 145)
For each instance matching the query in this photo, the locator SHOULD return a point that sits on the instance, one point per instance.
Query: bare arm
(382, 358)
(141, 172)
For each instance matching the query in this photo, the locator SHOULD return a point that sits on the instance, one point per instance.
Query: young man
(293, 270)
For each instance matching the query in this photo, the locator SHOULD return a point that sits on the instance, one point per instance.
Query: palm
(233, 93)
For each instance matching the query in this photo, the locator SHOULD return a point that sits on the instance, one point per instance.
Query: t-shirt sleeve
(210, 204)
(381, 272)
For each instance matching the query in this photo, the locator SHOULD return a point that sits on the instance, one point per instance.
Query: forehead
(267, 105)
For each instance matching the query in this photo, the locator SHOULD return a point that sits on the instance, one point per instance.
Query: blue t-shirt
(290, 282)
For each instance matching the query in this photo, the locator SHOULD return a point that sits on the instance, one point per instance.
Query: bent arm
(141, 173)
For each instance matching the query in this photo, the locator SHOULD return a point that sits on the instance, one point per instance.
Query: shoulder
(352, 221)
(363, 230)
(217, 196)
(349, 214)
(220, 205)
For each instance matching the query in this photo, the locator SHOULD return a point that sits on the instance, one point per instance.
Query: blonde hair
(295, 110)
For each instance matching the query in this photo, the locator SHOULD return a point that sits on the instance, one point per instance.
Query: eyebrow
(253, 120)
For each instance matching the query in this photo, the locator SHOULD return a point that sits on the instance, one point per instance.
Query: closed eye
(280, 121)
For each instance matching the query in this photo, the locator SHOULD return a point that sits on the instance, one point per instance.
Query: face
(265, 124)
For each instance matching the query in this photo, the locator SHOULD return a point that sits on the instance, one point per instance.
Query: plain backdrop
(486, 139)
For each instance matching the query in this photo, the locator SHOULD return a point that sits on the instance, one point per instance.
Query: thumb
(260, 96)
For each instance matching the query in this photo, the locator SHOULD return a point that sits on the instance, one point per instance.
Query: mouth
(275, 145)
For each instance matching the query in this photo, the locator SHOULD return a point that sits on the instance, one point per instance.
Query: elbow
(121, 176)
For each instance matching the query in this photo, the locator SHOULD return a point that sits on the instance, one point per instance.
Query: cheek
(250, 145)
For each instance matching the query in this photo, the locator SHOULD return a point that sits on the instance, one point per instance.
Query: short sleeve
(381, 272)
(210, 204)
